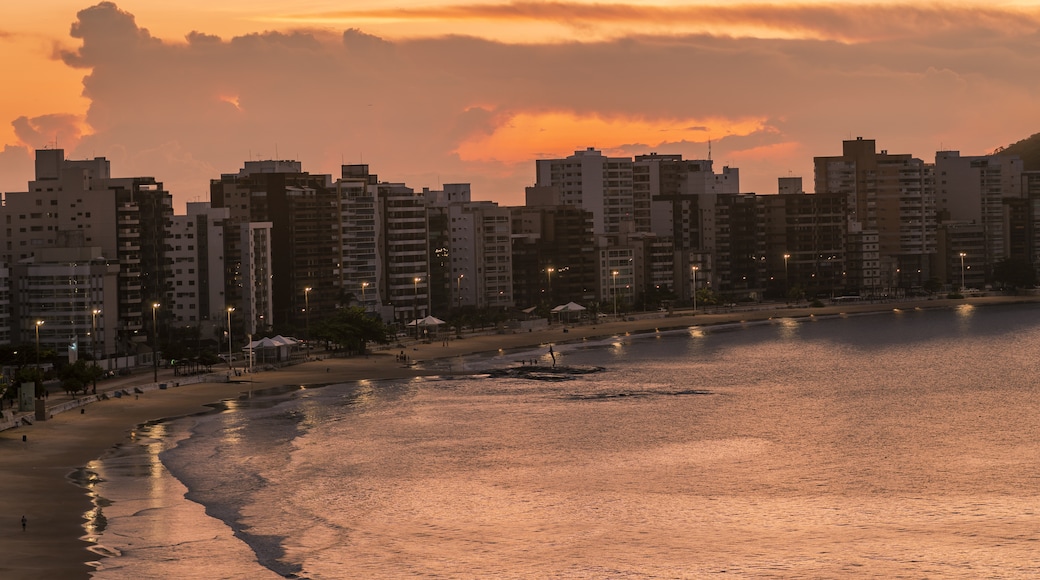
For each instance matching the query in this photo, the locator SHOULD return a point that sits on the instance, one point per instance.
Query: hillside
(1027, 149)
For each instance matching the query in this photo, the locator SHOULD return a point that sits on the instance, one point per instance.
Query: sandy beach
(35, 482)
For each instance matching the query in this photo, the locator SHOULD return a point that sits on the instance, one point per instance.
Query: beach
(36, 484)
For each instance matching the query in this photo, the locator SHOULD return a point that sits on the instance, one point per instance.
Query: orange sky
(433, 92)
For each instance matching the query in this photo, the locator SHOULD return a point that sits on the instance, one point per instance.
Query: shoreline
(37, 472)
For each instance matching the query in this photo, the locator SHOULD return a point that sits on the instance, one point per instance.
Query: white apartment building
(359, 266)
(195, 246)
(257, 290)
(405, 278)
(475, 239)
(602, 185)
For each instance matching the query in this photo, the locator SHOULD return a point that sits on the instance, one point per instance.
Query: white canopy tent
(270, 349)
(568, 311)
(428, 321)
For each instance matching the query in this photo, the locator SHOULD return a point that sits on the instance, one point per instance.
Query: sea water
(903, 444)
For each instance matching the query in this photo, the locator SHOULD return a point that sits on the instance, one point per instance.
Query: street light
(458, 289)
(363, 300)
(694, 270)
(38, 324)
(93, 341)
(155, 346)
(415, 306)
(787, 281)
(307, 310)
(229, 311)
(613, 277)
(963, 255)
(549, 272)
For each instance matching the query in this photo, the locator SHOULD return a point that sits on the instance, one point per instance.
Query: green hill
(1027, 149)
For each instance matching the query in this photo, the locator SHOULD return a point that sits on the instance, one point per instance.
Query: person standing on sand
(24, 521)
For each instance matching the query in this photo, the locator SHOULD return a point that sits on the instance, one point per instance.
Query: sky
(431, 92)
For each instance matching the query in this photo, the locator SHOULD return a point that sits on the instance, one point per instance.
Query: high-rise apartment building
(304, 252)
(891, 196)
(985, 191)
(470, 250)
(360, 250)
(681, 193)
(553, 252)
(195, 246)
(62, 295)
(601, 185)
(804, 238)
(78, 204)
(383, 246)
(405, 277)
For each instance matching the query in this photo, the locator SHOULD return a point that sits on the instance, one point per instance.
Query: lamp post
(549, 272)
(307, 310)
(229, 311)
(613, 278)
(93, 341)
(38, 324)
(694, 270)
(364, 285)
(787, 281)
(458, 289)
(415, 306)
(963, 255)
(155, 345)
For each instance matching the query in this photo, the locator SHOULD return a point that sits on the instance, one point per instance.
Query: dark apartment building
(304, 246)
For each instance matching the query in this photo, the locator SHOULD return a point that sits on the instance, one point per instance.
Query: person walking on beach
(24, 521)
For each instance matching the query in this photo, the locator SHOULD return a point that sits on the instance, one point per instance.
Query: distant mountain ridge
(1027, 149)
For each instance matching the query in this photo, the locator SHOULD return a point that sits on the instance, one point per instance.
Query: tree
(23, 357)
(705, 297)
(932, 285)
(795, 293)
(1014, 273)
(352, 329)
(78, 376)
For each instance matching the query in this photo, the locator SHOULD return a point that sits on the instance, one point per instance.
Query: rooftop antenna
(709, 148)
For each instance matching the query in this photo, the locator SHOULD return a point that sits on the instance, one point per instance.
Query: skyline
(770, 84)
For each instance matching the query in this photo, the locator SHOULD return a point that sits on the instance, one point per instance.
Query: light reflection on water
(903, 444)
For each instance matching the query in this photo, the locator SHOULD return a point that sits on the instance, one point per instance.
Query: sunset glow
(530, 135)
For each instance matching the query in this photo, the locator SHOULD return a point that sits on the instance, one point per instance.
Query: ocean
(900, 444)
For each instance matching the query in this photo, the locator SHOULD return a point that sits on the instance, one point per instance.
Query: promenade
(423, 357)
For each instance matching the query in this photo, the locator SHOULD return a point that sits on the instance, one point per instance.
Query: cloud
(57, 130)
(834, 21)
(463, 109)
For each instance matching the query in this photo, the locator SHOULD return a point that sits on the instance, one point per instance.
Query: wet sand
(35, 472)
